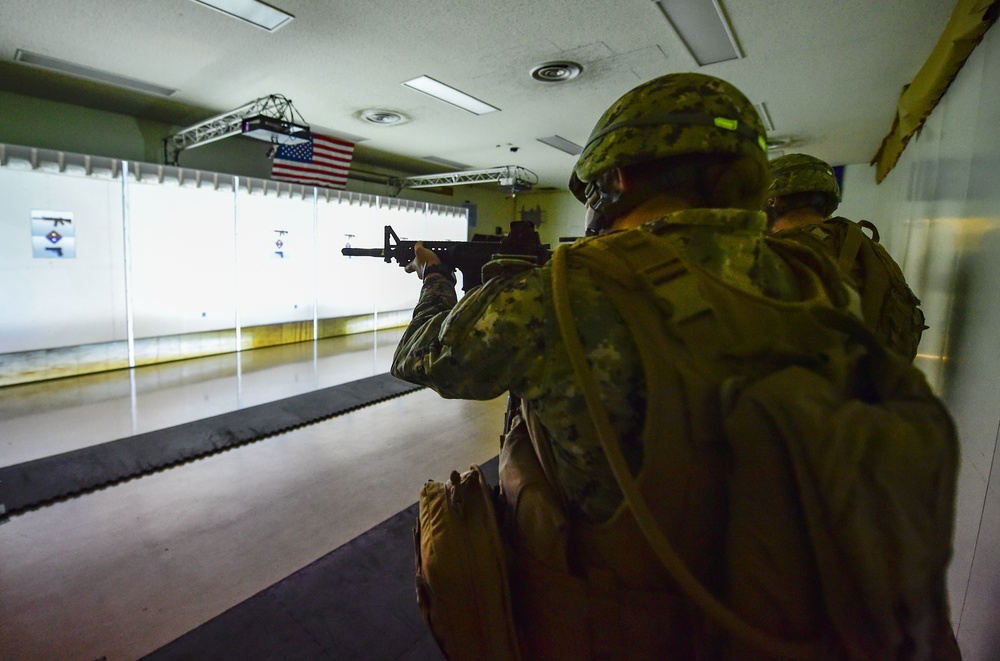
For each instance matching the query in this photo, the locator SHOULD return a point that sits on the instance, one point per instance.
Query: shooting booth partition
(107, 263)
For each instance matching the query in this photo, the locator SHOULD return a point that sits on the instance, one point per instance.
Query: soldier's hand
(422, 259)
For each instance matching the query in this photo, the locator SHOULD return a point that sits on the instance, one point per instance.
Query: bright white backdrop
(174, 253)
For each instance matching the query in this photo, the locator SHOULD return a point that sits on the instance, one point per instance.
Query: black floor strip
(37, 482)
(357, 602)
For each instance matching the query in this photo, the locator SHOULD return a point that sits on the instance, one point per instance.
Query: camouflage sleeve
(489, 343)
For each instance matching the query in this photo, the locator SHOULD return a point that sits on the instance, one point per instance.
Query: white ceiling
(829, 71)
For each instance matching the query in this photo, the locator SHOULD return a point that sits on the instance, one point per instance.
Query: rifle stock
(469, 257)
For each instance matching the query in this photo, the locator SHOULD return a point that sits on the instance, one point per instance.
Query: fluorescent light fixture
(562, 144)
(80, 71)
(251, 11)
(454, 165)
(274, 130)
(442, 92)
(765, 116)
(704, 29)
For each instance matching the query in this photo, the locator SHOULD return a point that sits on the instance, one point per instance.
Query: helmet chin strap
(772, 215)
(606, 206)
(600, 203)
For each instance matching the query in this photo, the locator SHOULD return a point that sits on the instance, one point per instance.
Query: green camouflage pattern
(504, 336)
(802, 173)
(669, 116)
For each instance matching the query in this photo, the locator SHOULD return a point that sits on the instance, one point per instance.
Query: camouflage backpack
(890, 308)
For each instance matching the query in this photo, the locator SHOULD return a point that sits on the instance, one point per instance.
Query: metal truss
(511, 176)
(227, 124)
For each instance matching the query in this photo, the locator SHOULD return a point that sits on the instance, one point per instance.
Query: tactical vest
(712, 553)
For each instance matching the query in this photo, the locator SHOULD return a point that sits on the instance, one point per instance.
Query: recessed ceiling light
(383, 117)
(775, 142)
(556, 72)
(251, 11)
(80, 71)
(443, 92)
(562, 144)
(703, 28)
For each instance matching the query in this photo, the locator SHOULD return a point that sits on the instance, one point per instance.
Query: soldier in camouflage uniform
(801, 200)
(680, 160)
(803, 190)
(499, 338)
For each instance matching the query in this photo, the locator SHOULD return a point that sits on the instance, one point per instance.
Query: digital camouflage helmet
(801, 173)
(675, 114)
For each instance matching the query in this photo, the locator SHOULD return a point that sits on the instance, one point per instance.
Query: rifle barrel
(363, 252)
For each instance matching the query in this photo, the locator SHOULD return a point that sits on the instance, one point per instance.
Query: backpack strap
(849, 249)
(870, 226)
(876, 282)
(610, 442)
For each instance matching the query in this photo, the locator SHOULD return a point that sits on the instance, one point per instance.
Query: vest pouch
(463, 587)
(533, 517)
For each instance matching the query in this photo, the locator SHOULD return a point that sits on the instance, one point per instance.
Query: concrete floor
(122, 571)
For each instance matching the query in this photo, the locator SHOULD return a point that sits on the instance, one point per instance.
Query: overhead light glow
(562, 144)
(442, 92)
(251, 11)
(80, 71)
(704, 29)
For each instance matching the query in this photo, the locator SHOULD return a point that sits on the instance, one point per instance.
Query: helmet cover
(675, 114)
(801, 173)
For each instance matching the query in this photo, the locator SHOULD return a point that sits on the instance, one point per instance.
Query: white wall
(52, 302)
(939, 215)
(179, 255)
(182, 255)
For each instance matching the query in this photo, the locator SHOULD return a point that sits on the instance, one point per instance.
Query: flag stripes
(323, 162)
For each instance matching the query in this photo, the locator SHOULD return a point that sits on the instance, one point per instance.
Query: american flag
(321, 162)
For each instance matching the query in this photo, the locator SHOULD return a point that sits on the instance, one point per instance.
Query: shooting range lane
(42, 480)
(122, 571)
(52, 417)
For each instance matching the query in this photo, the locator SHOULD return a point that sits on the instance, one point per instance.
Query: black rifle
(469, 257)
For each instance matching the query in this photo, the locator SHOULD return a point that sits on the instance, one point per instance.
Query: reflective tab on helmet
(725, 123)
(762, 142)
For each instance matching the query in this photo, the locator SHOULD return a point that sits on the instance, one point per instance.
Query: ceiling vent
(556, 72)
(777, 143)
(383, 117)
